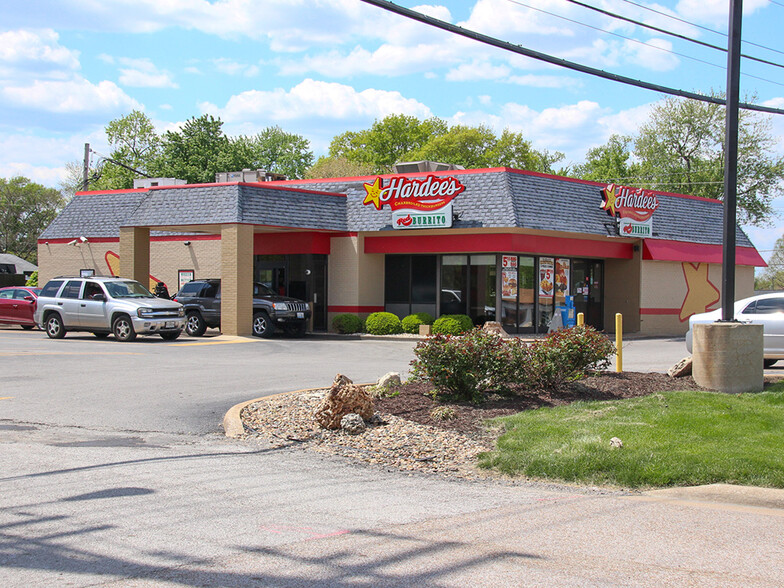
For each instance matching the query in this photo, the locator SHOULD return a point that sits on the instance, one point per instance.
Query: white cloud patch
(715, 12)
(35, 54)
(234, 68)
(656, 54)
(478, 70)
(143, 73)
(315, 99)
(69, 97)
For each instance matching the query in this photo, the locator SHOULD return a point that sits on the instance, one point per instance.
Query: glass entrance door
(588, 291)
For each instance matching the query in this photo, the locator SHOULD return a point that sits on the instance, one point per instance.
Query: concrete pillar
(237, 280)
(135, 254)
(728, 357)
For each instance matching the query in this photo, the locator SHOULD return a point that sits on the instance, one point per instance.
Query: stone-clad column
(135, 254)
(236, 279)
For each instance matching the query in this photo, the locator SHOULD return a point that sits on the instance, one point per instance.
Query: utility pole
(86, 168)
(731, 162)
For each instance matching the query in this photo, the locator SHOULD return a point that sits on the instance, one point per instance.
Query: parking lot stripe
(6, 397)
(224, 342)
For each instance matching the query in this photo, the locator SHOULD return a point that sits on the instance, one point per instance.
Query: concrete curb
(232, 421)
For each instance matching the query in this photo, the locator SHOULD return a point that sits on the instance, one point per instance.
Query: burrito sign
(415, 204)
(634, 208)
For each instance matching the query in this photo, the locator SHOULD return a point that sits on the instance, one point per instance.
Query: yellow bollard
(618, 342)
(580, 319)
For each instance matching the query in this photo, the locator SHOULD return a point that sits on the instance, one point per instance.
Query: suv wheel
(195, 325)
(123, 329)
(262, 325)
(54, 326)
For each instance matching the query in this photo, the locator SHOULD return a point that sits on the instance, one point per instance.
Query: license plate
(169, 325)
(300, 315)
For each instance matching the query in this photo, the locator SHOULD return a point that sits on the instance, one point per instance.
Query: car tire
(769, 363)
(101, 334)
(195, 325)
(170, 336)
(54, 326)
(28, 327)
(262, 325)
(122, 327)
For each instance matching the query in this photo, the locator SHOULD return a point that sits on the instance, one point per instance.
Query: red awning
(662, 250)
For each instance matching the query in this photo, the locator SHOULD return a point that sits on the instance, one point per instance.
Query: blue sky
(321, 67)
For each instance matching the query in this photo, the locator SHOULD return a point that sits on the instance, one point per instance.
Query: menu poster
(546, 276)
(509, 277)
(562, 277)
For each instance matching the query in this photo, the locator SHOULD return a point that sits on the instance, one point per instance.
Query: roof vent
(410, 167)
(248, 175)
(152, 182)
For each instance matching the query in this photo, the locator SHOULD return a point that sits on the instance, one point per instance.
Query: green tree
(608, 162)
(681, 149)
(26, 209)
(134, 143)
(196, 152)
(773, 276)
(338, 167)
(273, 150)
(387, 141)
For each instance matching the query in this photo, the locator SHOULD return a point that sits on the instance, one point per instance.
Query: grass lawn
(669, 439)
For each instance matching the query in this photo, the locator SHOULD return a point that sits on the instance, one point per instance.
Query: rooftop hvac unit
(151, 182)
(250, 176)
(410, 167)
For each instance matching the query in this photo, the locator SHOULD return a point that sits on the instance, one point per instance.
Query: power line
(670, 33)
(492, 41)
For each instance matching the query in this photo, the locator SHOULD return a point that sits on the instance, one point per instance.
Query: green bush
(567, 354)
(32, 281)
(383, 323)
(452, 324)
(347, 324)
(412, 321)
(464, 368)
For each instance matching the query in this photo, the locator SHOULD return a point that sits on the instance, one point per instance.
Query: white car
(766, 310)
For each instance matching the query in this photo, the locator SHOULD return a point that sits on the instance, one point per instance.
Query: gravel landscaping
(413, 432)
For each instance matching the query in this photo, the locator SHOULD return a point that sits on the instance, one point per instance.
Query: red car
(17, 304)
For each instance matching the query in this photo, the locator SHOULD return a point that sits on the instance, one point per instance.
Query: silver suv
(103, 306)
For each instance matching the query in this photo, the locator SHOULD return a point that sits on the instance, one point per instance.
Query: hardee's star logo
(700, 292)
(609, 198)
(373, 194)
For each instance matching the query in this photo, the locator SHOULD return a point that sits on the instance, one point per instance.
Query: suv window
(91, 289)
(128, 289)
(261, 290)
(191, 289)
(210, 290)
(51, 288)
(72, 289)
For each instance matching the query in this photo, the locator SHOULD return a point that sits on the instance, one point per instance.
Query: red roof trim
(663, 250)
(98, 192)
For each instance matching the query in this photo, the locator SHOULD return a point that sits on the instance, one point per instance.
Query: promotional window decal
(415, 203)
(562, 277)
(546, 276)
(509, 277)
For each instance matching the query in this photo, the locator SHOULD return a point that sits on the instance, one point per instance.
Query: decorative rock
(616, 443)
(494, 327)
(681, 369)
(389, 380)
(353, 424)
(344, 397)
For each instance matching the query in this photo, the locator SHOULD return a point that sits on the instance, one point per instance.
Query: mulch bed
(414, 402)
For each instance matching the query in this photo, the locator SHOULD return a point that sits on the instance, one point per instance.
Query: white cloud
(477, 70)
(143, 73)
(315, 99)
(69, 97)
(24, 47)
(655, 54)
(715, 11)
(234, 68)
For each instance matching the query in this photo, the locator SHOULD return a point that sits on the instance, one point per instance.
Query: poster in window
(562, 278)
(546, 276)
(184, 276)
(509, 277)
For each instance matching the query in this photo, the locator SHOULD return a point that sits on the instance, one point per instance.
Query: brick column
(135, 254)
(236, 279)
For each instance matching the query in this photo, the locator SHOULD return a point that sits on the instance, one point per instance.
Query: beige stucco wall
(166, 258)
(355, 279)
(664, 286)
(622, 292)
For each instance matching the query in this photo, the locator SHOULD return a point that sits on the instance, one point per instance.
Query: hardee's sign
(428, 194)
(632, 203)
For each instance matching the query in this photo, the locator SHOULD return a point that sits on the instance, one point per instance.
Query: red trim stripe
(495, 243)
(355, 309)
(661, 311)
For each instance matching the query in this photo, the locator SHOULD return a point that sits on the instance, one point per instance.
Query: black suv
(202, 302)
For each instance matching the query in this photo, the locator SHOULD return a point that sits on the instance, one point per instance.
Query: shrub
(347, 324)
(412, 321)
(32, 281)
(464, 368)
(452, 324)
(383, 323)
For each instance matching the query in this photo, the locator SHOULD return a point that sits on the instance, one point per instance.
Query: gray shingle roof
(498, 198)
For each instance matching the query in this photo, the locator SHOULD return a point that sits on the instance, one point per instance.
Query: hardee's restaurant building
(496, 244)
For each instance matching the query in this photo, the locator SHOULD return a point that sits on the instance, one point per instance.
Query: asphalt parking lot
(114, 471)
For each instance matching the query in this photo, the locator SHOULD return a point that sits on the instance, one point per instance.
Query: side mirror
(29, 298)
(97, 296)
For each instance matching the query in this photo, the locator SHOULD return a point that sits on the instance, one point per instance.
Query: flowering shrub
(412, 321)
(468, 367)
(347, 324)
(452, 324)
(383, 323)
(463, 367)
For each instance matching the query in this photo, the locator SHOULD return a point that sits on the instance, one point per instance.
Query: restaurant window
(410, 284)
